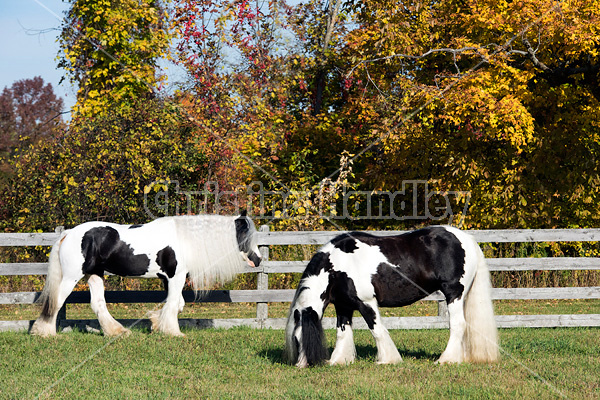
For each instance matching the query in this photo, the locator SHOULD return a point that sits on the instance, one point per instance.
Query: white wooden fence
(263, 295)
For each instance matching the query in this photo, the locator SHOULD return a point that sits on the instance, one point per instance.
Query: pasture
(540, 363)
(247, 363)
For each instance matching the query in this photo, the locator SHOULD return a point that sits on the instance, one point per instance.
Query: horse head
(246, 238)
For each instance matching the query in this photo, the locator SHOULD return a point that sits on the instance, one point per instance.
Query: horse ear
(244, 213)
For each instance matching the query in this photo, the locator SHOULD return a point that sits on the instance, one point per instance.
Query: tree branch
(532, 55)
(320, 81)
(331, 21)
(454, 53)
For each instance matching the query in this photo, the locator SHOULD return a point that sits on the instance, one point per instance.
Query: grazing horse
(208, 248)
(359, 271)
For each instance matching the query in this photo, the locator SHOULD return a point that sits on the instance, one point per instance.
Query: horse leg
(165, 320)
(109, 325)
(181, 303)
(165, 281)
(455, 352)
(344, 352)
(45, 325)
(387, 353)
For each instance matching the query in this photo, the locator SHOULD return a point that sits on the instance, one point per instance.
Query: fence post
(442, 309)
(262, 283)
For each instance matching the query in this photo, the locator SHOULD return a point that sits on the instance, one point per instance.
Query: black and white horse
(207, 248)
(359, 271)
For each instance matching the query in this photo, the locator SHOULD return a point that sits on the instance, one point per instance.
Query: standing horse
(208, 248)
(359, 271)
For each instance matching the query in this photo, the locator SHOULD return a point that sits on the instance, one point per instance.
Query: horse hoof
(168, 333)
(43, 329)
(441, 362)
(340, 362)
(120, 333)
(390, 362)
(43, 334)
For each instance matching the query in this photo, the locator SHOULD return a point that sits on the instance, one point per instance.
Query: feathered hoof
(43, 329)
(153, 317)
(389, 362)
(444, 360)
(160, 326)
(122, 332)
(168, 333)
(340, 361)
(42, 333)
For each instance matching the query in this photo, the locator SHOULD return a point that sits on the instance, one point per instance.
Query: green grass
(246, 363)
(279, 310)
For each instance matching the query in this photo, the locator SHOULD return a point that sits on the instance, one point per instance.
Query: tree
(495, 98)
(110, 50)
(238, 103)
(466, 95)
(30, 112)
(91, 173)
(121, 137)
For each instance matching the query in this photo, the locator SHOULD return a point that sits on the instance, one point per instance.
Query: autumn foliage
(498, 99)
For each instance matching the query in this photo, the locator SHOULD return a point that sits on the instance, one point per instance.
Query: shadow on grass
(275, 355)
(92, 327)
(370, 353)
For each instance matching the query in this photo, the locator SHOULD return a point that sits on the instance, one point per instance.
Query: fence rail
(263, 295)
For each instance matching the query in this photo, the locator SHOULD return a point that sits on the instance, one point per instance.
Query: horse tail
(48, 299)
(481, 337)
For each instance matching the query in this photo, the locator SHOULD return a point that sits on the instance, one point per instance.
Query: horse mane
(210, 248)
(313, 338)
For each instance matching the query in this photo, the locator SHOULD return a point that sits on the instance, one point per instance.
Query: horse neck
(310, 294)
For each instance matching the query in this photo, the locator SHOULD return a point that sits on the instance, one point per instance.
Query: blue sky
(28, 47)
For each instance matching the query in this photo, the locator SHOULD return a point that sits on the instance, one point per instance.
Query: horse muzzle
(252, 259)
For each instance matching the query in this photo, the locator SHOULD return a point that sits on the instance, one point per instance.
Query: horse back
(398, 270)
(125, 250)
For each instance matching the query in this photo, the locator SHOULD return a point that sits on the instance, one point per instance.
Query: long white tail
(46, 323)
(481, 337)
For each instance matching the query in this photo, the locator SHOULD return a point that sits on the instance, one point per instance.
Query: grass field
(246, 363)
